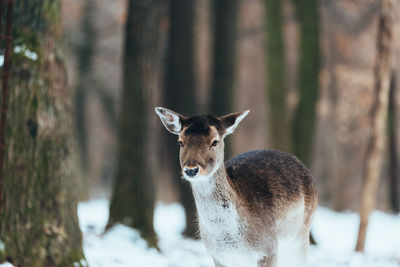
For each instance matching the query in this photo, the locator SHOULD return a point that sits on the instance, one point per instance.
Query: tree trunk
(132, 201)
(348, 32)
(250, 82)
(394, 167)
(279, 126)
(180, 94)
(38, 221)
(224, 55)
(303, 124)
(394, 129)
(375, 150)
(85, 55)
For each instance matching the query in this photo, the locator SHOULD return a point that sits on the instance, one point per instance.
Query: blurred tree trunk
(38, 220)
(179, 94)
(348, 32)
(132, 201)
(276, 87)
(375, 150)
(393, 147)
(303, 124)
(84, 54)
(225, 15)
(250, 78)
(394, 116)
(203, 29)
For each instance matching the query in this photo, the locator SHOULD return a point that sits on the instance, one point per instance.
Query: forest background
(310, 72)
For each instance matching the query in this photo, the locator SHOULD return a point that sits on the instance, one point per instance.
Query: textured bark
(348, 32)
(303, 124)
(180, 94)
(379, 111)
(38, 222)
(225, 57)
(132, 201)
(276, 87)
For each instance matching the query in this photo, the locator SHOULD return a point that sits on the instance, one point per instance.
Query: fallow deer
(251, 208)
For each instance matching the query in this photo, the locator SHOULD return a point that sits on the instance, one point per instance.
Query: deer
(255, 209)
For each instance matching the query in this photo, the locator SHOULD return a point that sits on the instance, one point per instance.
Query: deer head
(201, 140)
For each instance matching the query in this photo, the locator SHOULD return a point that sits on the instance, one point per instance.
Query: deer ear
(231, 121)
(171, 120)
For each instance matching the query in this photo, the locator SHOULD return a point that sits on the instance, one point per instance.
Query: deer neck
(216, 190)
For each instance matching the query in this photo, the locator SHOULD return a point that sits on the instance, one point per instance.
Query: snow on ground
(122, 246)
(335, 233)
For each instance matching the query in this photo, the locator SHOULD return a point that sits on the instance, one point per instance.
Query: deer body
(251, 207)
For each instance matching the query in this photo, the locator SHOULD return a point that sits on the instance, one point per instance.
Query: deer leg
(217, 264)
(268, 261)
(303, 245)
(271, 260)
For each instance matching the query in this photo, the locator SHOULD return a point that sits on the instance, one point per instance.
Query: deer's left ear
(231, 121)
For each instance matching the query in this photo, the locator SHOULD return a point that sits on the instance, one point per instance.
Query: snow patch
(22, 49)
(169, 220)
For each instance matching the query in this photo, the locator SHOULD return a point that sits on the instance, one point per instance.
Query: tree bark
(348, 34)
(374, 157)
(179, 94)
(276, 87)
(38, 222)
(132, 201)
(308, 69)
(4, 94)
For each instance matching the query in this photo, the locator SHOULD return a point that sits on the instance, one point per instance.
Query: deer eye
(180, 143)
(214, 143)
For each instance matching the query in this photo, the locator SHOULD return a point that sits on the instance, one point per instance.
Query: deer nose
(191, 172)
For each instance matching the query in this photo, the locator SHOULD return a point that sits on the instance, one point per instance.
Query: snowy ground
(334, 232)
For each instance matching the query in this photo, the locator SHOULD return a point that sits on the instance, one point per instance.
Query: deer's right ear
(171, 120)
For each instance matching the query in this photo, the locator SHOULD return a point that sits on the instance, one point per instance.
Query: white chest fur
(222, 229)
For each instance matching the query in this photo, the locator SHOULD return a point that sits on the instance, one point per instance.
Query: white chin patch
(196, 179)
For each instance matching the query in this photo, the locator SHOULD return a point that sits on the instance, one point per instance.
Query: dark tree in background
(179, 93)
(85, 55)
(132, 201)
(393, 125)
(394, 117)
(224, 54)
(38, 220)
(308, 69)
(276, 87)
